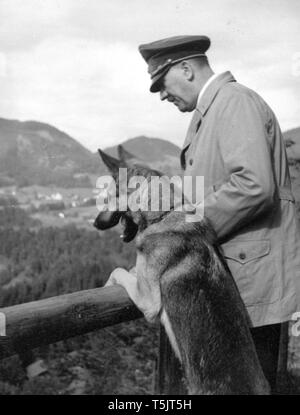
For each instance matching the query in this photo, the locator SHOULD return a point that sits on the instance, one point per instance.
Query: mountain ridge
(34, 152)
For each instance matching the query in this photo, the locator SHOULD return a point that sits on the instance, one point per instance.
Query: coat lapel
(193, 128)
(201, 110)
(212, 91)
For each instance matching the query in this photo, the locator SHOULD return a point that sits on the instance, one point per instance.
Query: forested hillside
(37, 262)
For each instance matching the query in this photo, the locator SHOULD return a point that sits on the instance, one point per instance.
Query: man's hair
(200, 61)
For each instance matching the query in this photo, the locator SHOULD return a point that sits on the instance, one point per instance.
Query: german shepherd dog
(182, 278)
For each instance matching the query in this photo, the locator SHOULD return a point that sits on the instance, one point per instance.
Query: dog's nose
(96, 223)
(106, 220)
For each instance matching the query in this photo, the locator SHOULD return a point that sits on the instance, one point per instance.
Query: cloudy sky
(75, 63)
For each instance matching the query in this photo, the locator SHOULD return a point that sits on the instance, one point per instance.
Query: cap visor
(157, 81)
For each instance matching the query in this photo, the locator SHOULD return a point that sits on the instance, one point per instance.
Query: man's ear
(188, 70)
(112, 163)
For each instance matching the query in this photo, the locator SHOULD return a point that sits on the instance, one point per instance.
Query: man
(235, 142)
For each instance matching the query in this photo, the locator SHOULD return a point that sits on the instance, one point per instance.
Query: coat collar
(212, 90)
(205, 102)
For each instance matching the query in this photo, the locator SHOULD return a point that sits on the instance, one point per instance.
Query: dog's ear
(125, 155)
(112, 163)
(137, 165)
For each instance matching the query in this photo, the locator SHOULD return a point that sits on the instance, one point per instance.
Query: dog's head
(108, 218)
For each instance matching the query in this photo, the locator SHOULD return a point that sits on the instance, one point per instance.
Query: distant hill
(37, 153)
(160, 154)
(150, 149)
(292, 139)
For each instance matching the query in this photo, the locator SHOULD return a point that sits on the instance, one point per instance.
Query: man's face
(175, 88)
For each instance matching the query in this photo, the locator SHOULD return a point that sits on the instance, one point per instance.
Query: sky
(75, 63)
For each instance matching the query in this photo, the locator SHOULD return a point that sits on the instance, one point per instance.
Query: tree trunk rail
(38, 323)
(26, 326)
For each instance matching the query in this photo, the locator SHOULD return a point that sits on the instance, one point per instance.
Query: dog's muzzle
(130, 228)
(106, 220)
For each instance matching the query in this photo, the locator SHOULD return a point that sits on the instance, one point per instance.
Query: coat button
(242, 255)
(191, 161)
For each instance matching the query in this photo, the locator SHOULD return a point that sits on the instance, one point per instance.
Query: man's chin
(183, 107)
(188, 109)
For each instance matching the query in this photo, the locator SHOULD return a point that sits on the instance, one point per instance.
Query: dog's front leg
(141, 288)
(126, 279)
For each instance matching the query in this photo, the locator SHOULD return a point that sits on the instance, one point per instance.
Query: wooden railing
(47, 321)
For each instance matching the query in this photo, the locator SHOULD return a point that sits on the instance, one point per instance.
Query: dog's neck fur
(143, 218)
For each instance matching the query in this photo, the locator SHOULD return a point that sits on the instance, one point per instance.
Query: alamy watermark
(2, 325)
(154, 193)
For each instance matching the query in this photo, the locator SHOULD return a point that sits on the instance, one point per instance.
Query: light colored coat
(239, 150)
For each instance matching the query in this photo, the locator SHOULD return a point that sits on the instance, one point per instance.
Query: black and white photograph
(149, 200)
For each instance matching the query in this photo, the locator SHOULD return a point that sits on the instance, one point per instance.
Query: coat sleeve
(249, 188)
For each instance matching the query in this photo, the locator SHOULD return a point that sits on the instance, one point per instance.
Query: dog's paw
(151, 317)
(132, 271)
(109, 282)
(113, 279)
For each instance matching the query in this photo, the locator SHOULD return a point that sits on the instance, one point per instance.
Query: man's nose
(163, 94)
